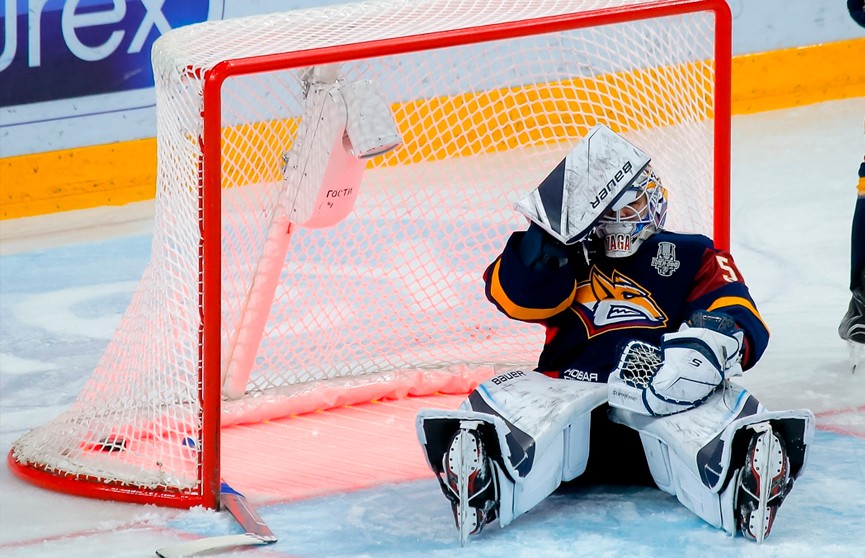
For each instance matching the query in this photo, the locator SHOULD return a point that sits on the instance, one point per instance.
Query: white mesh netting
(391, 297)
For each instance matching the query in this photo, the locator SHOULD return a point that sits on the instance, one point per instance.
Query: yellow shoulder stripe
(727, 301)
(518, 312)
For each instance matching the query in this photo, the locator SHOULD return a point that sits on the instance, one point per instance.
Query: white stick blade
(208, 544)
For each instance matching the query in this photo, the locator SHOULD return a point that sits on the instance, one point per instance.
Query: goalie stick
(257, 531)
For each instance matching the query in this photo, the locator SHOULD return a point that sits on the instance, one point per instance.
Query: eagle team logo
(604, 303)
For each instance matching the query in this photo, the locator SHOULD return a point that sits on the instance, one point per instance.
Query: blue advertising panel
(60, 49)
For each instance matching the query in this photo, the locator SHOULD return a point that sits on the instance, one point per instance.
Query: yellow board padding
(125, 172)
(255, 150)
(504, 119)
(112, 174)
(798, 76)
(491, 121)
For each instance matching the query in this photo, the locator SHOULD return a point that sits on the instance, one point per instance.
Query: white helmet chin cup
(620, 239)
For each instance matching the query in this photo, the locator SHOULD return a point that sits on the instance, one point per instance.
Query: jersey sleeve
(719, 286)
(527, 293)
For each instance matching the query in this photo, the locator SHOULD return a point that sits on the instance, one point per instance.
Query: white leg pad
(539, 413)
(690, 453)
(674, 477)
(564, 459)
(541, 427)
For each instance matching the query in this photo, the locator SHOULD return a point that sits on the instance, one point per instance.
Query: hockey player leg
(730, 461)
(509, 446)
(852, 328)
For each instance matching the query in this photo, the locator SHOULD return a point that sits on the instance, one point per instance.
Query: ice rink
(65, 279)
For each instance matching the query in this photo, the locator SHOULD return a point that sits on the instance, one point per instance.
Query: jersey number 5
(729, 275)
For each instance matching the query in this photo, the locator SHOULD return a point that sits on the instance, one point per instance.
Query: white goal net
(243, 316)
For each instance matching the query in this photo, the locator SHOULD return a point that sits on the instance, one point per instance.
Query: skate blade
(857, 352)
(463, 458)
(763, 465)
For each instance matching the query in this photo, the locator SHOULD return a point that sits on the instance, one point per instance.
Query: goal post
(486, 97)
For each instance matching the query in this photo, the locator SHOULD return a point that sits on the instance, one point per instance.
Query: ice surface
(65, 279)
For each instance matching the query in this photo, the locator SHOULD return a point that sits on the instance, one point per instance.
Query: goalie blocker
(700, 456)
(571, 200)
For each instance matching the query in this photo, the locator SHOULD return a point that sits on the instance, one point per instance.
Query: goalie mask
(638, 214)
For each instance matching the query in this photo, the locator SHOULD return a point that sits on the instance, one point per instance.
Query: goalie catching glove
(684, 372)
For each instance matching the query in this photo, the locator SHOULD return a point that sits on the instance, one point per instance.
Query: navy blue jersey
(591, 310)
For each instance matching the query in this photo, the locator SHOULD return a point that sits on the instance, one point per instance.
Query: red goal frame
(209, 211)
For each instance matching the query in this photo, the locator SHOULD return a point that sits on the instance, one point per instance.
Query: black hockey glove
(539, 250)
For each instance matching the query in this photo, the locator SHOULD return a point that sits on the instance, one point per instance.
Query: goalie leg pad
(538, 411)
(526, 413)
(534, 429)
(697, 455)
(675, 477)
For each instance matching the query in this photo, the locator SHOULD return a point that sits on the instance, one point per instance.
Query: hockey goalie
(645, 328)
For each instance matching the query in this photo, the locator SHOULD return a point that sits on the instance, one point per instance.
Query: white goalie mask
(638, 214)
